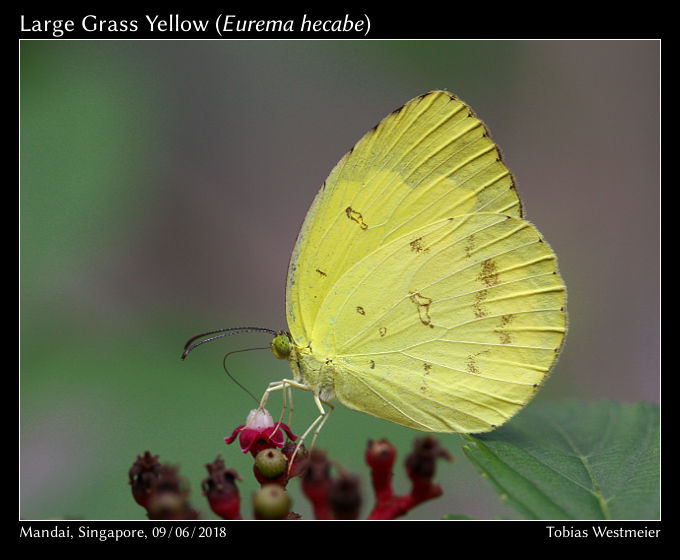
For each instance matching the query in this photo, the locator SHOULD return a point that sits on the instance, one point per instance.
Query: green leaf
(575, 460)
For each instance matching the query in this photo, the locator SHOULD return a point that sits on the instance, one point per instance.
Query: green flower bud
(271, 462)
(271, 502)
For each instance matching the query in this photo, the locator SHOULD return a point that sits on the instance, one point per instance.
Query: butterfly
(416, 290)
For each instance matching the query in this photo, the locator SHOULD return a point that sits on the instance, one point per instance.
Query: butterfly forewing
(430, 159)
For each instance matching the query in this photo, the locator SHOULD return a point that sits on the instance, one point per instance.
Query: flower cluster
(420, 467)
(277, 460)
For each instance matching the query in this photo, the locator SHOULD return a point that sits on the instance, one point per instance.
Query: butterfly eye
(281, 346)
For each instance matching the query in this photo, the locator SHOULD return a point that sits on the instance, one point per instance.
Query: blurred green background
(162, 187)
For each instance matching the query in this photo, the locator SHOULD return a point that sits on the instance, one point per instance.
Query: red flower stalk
(317, 483)
(221, 491)
(420, 466)
(380, 456)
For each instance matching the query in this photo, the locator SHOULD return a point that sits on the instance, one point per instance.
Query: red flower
(260, 432)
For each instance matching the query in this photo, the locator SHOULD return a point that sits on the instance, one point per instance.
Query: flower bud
(271, 502)
(344, 498)
(221, 491)
(421, 462)
(380, 455)
(143, 475)
(271, 463)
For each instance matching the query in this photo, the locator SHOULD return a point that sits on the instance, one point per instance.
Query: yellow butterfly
(416, 292)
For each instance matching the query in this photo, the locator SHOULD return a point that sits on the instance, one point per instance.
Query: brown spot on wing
(489, 273)
(417, 246)
(360, 310)
(427, 367)
(478, 304)
(356, 217)
(321, 272)
(472, 362)
(423, 304)
(469, 245)
(382, 331)
(504, 337)
(502, 333)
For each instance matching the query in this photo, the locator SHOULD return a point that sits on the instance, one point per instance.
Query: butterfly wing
(451, 328)
(430, 159)
(399, 311)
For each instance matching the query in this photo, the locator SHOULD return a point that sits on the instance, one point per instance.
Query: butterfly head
(281, 345)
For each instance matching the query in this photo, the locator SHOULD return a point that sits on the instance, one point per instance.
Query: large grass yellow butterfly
(416, 291)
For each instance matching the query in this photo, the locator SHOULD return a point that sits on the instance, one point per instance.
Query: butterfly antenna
(224, 365)
(220, 333)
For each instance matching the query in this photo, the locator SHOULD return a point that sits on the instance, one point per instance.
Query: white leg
(280, 386)
(287, 393)
(290, 400)
(320, 420)
(283, 385)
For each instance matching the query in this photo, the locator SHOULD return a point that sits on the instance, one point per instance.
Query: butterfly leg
(281, 386)
(286, 386)
(287, 393)
(290, 409)
(320, 420)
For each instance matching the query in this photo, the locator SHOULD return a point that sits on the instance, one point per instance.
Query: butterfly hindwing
(451, 328)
